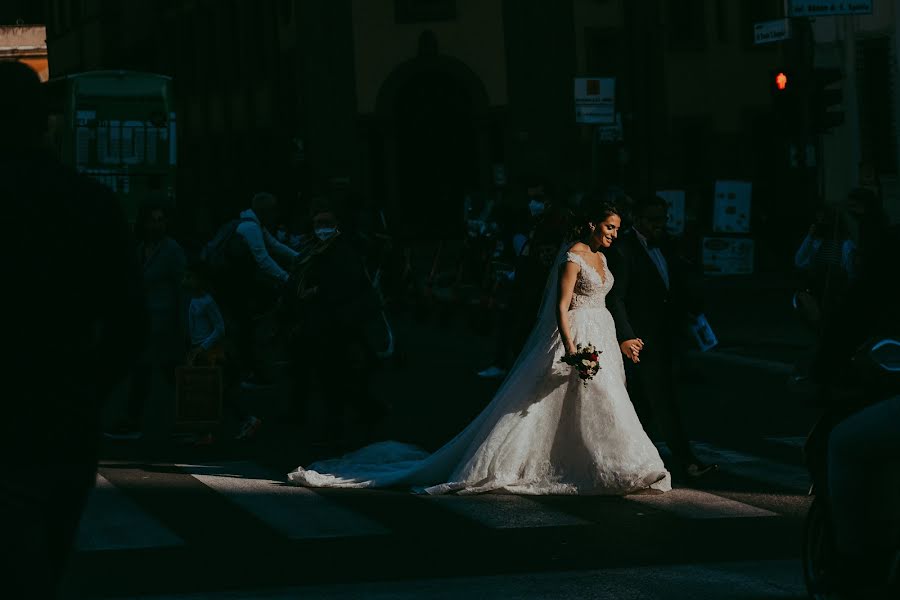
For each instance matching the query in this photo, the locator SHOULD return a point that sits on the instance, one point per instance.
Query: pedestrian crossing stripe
(792, 441)
(696, 504)
(749, 466)
(298, 513)
(113, 520)
(505, 511)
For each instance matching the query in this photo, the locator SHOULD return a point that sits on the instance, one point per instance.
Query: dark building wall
(22, 12)
(541, 65)
(270, 94)
(325, 70)
(645, 96)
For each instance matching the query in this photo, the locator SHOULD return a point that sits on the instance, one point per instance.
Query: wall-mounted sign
(609, 134)
(771, 31)
(595, 100)
(822, 8)
(731, 207)
(727, 256)
(499, 172)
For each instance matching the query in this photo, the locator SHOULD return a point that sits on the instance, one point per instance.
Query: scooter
(877, 367)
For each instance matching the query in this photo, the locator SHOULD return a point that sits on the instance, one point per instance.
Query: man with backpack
(243, 256)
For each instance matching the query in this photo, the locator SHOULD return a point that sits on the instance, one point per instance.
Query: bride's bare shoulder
(579, 248)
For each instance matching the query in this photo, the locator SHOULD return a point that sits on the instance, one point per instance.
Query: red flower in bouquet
(586, 360)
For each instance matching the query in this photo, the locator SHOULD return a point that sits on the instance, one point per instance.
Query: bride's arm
(567, 276)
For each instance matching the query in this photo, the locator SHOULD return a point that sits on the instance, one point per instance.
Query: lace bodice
(591, 287)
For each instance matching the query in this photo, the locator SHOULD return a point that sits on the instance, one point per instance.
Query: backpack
(226, 250)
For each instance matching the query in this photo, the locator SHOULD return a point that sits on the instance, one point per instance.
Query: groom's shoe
(696, 470)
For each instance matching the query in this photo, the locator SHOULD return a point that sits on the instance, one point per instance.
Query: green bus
(118, 127)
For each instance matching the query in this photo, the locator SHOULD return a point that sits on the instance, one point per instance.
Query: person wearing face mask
(325, 233)
(334, 300)
(534, 252)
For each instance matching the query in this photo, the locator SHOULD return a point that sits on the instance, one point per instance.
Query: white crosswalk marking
(695, 504)
(112, 521)
(749, 466)
(793, 441)
(298, 513)
(792, 477)
(505, 512)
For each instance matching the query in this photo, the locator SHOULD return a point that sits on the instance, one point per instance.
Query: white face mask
(325, 233)
(536, 207)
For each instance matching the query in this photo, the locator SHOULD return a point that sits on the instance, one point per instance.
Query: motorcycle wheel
(818, 551)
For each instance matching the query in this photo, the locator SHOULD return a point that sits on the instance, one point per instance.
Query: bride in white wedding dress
(545, 431)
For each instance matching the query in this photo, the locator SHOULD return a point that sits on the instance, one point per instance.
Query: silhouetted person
(73, 324)
(258, 278)
(648, 305)
(163, 263)
(827, 256)
(336, 303)
(865, 210)
(862, 447)
(534, 253)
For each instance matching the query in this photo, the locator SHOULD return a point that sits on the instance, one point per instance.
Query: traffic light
(781, 81)
(826, 97)
(787, 108)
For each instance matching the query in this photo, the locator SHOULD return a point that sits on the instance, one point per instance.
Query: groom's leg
(635, 383)
(658, 387)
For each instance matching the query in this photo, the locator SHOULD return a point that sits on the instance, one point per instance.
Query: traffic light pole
(798, 54)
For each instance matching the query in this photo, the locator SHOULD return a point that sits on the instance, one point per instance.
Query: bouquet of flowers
(585, 359)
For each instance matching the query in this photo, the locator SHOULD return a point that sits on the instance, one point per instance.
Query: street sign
(727, 256)
(810, 155)
(731, 206)
(595, 100)
(823, 8)
(499, 172)
(772, 31)
(608, 134)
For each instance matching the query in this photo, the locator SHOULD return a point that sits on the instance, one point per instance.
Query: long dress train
(545, 431)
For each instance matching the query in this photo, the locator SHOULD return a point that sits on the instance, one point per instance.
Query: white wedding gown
(545, 431)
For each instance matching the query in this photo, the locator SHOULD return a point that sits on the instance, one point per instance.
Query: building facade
(25, 43)
(412, 104)
(863, 151)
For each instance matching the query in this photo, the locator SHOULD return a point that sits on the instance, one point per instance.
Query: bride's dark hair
(595, 208)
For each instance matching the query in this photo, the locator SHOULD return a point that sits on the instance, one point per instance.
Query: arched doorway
(433, 116)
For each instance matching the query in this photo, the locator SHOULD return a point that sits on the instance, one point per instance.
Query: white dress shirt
(656, 256)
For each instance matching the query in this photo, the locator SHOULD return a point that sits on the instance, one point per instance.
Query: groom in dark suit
(648, 306)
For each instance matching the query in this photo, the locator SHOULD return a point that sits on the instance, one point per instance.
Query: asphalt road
(172, 521)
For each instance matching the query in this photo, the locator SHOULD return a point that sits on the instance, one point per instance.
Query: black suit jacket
(641, 305)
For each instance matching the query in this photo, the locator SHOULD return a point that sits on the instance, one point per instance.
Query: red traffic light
(781, 81)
